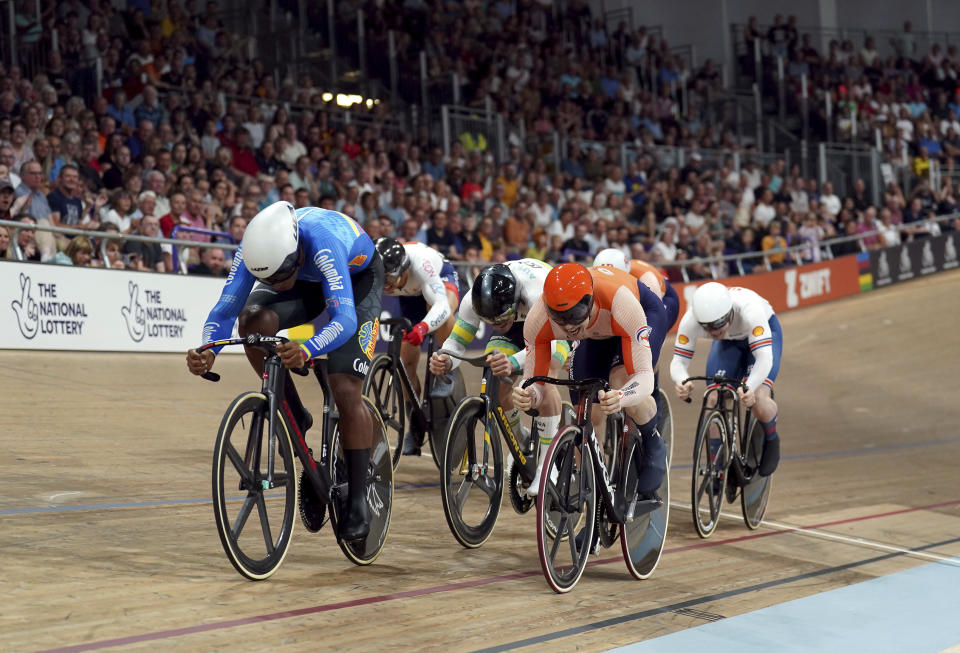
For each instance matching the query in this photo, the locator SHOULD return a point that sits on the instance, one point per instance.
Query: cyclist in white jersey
(501, 296)
(429, 293)
(748, 343)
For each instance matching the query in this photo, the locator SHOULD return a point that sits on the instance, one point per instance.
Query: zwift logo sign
(151, 318)
(50, 314)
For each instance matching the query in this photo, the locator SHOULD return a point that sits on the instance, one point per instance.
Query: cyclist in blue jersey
(291, 266)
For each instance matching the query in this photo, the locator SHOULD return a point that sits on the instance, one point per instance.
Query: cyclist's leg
(268, 311)
(548, 421)
(653, 462)
(671, 302)
(765, 409)
(414, 309)
(347, 366)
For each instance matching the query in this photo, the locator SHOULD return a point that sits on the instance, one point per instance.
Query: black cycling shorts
(305, 302)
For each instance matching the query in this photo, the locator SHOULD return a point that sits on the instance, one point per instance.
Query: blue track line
(420, 486)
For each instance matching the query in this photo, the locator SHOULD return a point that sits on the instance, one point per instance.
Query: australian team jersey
(750, 322)
(530, 275)
(620, 316)
(334, 247)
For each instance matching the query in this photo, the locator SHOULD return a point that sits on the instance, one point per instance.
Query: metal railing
(716, 265)
(101, 237)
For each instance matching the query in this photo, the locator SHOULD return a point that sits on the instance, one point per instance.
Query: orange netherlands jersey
(657, 283)
(621, 316)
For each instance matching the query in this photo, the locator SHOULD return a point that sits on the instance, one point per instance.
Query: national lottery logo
(150, 318)
(49, 313)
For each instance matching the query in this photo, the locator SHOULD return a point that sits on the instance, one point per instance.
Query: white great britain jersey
(750, 322)
(424, 279)
(530, 274)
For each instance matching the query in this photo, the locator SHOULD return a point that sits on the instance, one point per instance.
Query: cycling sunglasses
(576, 314)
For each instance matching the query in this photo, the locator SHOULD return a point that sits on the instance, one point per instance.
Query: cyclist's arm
(219, 324)
(538, 336)
(435, 295)
(464, 331)
(629, 322)
(760, 341)
(338, 291)
(687, 333)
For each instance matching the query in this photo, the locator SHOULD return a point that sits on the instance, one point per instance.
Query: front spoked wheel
(379, 490)
(756, 491)
(254, 493)
(708, 476)
(471, 475)
(642, 538)
(566, 508)
(382, 386)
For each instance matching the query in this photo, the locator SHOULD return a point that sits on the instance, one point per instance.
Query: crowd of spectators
(159, 149)
(909, 94)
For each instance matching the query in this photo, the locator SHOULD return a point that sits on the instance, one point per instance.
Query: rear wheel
(255, 530)
(568, 498)
(755, 493)
(471, 475)
(382, 386)
(708, 476)
(642, 538)
(379, 490)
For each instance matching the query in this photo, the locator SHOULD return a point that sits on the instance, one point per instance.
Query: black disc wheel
(708, 476)
(756, 491)
(379, 490)
(471, 474)
(568, 496)
(382, 386)
(254, 492)
(642, 537)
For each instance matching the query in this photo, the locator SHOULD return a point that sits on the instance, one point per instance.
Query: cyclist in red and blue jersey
(293, 265)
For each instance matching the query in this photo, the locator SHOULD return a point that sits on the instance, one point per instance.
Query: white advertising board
(65, 308)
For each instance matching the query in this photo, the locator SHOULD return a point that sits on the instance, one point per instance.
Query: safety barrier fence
(55, 307)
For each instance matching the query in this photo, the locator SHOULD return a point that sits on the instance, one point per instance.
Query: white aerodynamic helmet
(612, 257)
(271, 243)
(712, 305)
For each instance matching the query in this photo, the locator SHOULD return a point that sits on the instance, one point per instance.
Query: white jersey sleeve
(424, 279)
(750, 322)
(687, 333)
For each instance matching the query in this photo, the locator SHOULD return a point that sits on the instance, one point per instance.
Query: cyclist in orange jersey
(620, 325)
(654, 278)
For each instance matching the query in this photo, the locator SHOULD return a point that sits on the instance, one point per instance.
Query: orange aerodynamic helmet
(568, 293)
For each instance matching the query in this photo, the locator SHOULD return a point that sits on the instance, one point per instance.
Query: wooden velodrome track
(108, 536)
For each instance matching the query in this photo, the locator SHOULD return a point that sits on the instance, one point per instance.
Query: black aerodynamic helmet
(394, 256)
(494, 294)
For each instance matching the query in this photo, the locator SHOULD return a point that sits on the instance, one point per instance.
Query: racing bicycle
(471, 470)
(387, 384)
(582, 504)
(254, 458)
(726, 457)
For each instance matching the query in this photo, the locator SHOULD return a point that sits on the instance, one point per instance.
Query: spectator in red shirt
(244, 160)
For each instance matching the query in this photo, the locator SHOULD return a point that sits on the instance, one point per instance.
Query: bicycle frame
(490, 394)
(421, 403)
(272, 388)
(613, 499)
(728, 403)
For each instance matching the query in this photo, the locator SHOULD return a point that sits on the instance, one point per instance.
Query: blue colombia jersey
(334, 247)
